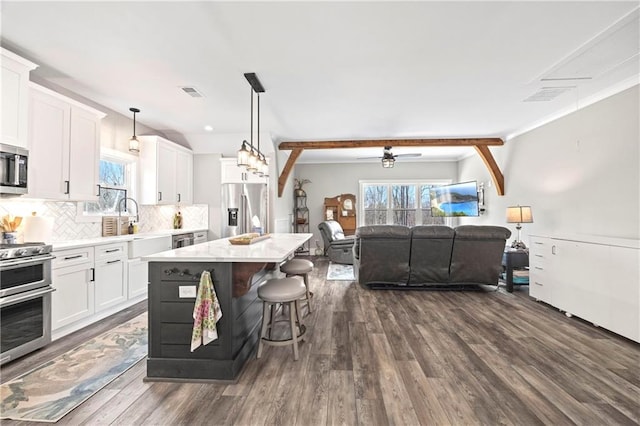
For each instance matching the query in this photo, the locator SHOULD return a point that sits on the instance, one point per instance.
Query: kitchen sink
(143, 246)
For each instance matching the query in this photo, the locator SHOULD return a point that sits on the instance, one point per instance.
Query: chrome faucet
(125, 209)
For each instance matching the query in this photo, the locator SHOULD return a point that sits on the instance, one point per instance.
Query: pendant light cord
(251, 119)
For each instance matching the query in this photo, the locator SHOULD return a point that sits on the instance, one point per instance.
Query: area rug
(48, 392)
(339, 272)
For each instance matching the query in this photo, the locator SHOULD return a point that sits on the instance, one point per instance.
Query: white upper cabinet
(166, 172)
(231, 173)
(184, 177)
(64, 147)
(15, 98)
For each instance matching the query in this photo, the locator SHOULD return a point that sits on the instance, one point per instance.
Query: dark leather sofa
(428, 256)
(338, 247)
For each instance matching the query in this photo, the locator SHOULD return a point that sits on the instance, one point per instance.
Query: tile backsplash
(67, 226)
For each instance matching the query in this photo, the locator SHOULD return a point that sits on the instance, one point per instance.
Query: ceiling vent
(192, 91)
(548, 94)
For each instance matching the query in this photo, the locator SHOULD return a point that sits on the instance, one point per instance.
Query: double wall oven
(25, 299)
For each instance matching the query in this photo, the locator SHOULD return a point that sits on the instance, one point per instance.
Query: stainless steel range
(25, 298)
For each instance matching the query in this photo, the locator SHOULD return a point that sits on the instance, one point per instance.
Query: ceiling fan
(388, 158)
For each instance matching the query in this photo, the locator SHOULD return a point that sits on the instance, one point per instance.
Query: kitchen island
(236, 271)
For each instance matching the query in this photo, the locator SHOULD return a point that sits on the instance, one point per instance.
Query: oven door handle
(17, 298)
(11, 264)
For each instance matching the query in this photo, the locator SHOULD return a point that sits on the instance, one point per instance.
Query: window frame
(390, 183)
(131, 175)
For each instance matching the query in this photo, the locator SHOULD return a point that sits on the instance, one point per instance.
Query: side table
(513, 259)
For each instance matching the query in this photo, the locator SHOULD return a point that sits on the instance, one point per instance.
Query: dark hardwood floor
(394, 357)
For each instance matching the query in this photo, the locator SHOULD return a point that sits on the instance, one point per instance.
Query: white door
(184, 177)
(73, 298)
(49, 126)
(138, 277)
(110, 283)
(166, 175)
(84, 153)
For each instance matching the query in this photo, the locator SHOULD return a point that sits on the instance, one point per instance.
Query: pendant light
(134, 143)
(250, 156)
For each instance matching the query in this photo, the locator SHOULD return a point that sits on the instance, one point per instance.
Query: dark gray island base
(172, 290)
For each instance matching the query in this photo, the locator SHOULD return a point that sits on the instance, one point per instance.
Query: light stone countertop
(274, 249)
(65, 245)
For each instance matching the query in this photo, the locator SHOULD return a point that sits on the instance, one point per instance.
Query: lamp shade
(243, 155)
(134, 144)
(519, 214)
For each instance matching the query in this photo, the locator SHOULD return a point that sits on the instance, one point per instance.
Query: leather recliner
(337, 246)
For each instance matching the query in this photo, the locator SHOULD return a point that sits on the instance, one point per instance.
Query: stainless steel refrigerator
(242, 205)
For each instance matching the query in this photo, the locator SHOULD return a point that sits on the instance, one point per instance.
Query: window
(116, 180)
(398, 203)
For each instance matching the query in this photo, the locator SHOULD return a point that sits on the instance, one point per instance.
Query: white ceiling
(331, 70)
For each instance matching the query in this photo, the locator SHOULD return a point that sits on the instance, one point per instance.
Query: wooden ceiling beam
(494, 170)
(373, 143)
(282, 179)
(481, 146)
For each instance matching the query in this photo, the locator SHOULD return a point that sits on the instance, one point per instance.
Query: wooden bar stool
(302, 268)
(285, 291)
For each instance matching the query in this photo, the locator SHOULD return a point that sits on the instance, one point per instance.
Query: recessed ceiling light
(208, 128)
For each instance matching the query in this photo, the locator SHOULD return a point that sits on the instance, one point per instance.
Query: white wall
(330, 180)
(580, 173)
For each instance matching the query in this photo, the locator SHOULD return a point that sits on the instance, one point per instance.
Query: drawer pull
(114, 261)
(539, 255)
(539, 268)
(112, 250)
(537, 283)
(77, 256)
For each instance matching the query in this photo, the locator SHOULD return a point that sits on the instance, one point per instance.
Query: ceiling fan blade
(369, 158)
(409, 155)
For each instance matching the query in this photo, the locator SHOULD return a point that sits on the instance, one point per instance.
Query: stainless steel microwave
(13, 170)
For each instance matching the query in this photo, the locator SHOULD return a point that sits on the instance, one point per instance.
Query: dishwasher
(182, 240)
(200, 237)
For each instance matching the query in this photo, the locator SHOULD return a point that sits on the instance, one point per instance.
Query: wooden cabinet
(64, 144)
(301, 218)
(595, 279)
(15, 99)
(343, 210)
(231, 173)
(110, 276)
(166, 172)
(73, 279)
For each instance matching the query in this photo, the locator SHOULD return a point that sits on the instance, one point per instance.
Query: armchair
(338, 247)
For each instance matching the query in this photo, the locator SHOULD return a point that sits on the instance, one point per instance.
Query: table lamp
(519, 214)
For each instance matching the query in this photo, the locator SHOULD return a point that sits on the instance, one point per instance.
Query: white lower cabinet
(138, 277)
(540, 279)
(596, 279)
(111, 276)
(90, 283)
(72, 277)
